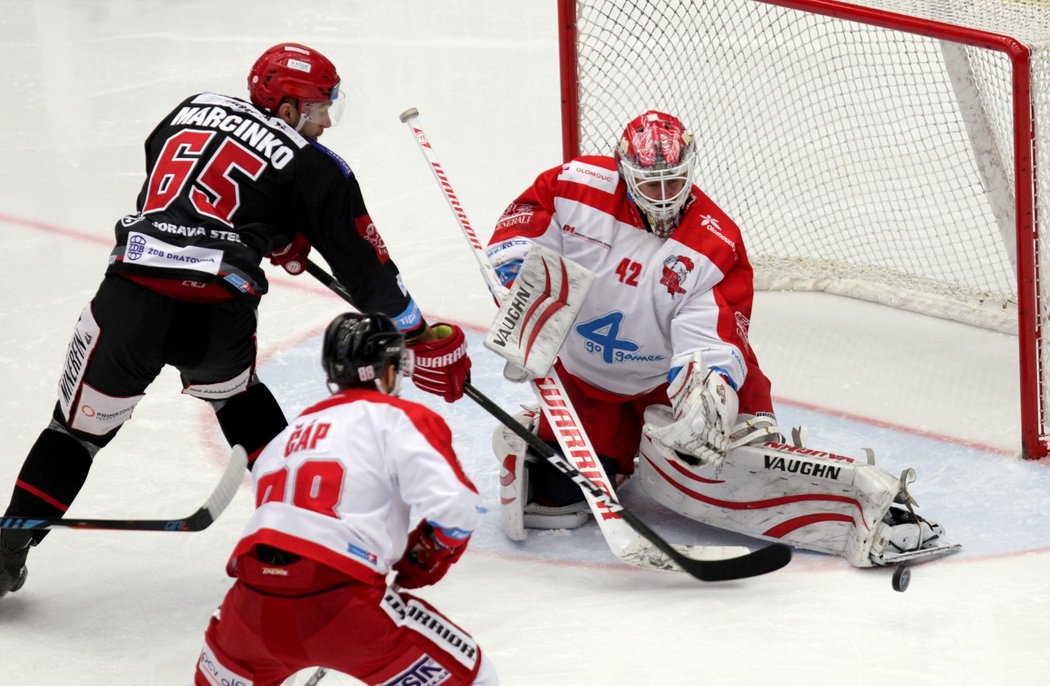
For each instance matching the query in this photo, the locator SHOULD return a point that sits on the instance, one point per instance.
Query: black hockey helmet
(358, 347)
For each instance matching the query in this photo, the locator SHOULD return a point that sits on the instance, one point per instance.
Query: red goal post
(880, 149)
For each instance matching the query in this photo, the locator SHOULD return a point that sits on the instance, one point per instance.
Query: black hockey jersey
(227, 184)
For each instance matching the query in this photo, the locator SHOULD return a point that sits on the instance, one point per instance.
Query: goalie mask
(292, 70)
(358, 348)
(656, 156)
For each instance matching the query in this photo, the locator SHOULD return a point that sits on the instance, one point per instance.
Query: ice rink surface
(85, 81)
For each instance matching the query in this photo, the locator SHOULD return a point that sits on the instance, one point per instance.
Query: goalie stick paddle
(198, 521)
(762, 561)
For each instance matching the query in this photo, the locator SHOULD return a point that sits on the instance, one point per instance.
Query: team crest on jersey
(368, 231)
(675, 271)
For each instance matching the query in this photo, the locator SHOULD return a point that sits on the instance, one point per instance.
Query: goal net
(882, 149)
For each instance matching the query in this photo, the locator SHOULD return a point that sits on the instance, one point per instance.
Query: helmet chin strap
(298, 124)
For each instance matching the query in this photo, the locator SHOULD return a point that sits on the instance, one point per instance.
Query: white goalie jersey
(653, 302)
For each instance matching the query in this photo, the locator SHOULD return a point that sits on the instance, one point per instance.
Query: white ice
(82, 84)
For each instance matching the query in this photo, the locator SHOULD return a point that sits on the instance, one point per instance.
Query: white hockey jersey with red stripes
(348, 479)
(653, 302)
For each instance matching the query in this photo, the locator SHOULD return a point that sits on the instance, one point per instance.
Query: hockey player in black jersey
(229, 183)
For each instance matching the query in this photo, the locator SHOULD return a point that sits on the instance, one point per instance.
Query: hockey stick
(328, 280)
(634, 547)
(762, 561)
(198, 521)
(728, 563)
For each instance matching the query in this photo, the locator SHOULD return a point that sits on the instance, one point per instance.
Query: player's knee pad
(222, 390)
(82, 408)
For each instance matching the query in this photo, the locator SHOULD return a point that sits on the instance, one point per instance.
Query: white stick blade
(230, 482)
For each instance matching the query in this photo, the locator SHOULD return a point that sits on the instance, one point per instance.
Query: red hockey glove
(292, 256)
(428, 556)
(441, 365)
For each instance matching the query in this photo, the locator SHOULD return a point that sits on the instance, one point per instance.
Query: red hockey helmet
(656, 157)
(292, 70)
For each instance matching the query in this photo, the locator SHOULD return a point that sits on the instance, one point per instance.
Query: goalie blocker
(807, 498)
(535, 316)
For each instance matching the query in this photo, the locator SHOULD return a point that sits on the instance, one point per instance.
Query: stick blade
(762, 561)
(223, 493)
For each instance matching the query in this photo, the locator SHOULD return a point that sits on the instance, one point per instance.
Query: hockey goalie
(636, 288)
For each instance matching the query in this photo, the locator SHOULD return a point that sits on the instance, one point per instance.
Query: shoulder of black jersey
(332, 157)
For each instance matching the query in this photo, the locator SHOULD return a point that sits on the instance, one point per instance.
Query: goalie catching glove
(441, 364)
(428, 556)
(704, 407)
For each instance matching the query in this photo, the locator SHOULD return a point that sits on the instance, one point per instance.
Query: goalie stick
(198, 521)
(762, 561)
(640, 546)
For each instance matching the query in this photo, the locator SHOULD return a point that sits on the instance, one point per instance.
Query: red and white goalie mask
(292, 70)
(656, 157)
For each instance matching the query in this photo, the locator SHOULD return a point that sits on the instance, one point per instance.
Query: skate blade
(920, 556)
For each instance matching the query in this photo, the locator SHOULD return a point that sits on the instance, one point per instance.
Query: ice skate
(570, 516)
(904, 536)
(13, 554)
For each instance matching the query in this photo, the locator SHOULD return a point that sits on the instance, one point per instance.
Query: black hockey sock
(50, 479)
(251, 419)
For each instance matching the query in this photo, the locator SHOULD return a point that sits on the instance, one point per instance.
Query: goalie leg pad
(516, 512)
(813, 500)
(511, 453)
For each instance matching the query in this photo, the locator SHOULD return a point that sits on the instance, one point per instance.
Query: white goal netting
(858, 159)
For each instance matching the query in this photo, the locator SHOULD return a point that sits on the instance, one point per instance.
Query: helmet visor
(325, 113)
